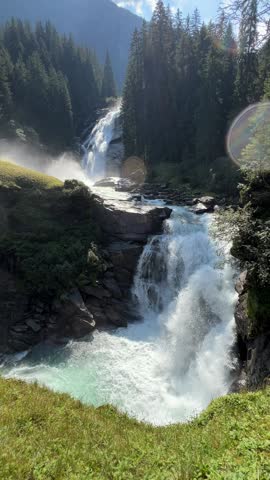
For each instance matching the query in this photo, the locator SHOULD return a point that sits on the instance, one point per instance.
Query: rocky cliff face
(252, 247)
(26, 321)
(253, 342)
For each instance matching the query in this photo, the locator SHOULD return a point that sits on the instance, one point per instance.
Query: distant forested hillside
(98, 24)
(49, 87)
(186, 82)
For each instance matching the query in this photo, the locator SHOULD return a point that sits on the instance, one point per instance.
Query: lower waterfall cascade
(169, 366)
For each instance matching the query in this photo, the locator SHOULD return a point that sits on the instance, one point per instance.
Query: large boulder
(73, 317)
(130, 225)
(203, 205)
(106, 182)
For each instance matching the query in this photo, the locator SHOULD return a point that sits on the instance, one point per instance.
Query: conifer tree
(108, 88)
(5, 91)
(247, 69)
(47, 83)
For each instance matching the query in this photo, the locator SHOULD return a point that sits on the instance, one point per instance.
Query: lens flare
(248, 140)
(134, 169)
(229, 46)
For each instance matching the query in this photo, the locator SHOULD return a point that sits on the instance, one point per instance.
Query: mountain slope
(99, 24)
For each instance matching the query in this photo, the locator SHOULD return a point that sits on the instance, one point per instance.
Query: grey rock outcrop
(73, 317)
(25, 321)
(130, 225)
(203, 205)
(254, 348)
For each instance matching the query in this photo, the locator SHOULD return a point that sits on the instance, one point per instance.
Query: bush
(51, 236)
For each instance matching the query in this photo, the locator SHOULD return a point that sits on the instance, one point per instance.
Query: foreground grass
(48, 436)
(12, 175)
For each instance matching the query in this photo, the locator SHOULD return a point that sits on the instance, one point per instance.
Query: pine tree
(195, 22)
(5, 91)
(108, 88)
(133, 98)
(54, 85)
(247, 69)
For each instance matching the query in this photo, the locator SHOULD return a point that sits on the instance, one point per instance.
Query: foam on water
(168, 367)
(97, 144)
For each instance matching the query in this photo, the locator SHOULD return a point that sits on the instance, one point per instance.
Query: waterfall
(169, 366)
(185, 286)
(96, 147)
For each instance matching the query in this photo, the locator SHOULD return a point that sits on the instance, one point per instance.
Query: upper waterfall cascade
(103, 149)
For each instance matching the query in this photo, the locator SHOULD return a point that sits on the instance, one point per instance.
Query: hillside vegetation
(99, 24)
(186, 82)
(50, 88)
(48, 234)
(45, 436)
(12, 175)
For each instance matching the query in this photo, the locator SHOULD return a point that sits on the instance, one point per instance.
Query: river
(169, 366)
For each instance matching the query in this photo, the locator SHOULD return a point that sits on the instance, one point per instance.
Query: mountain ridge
(98, 24)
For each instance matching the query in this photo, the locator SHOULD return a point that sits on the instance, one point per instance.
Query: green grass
(47, 228)
(12, 175)
(49, 436)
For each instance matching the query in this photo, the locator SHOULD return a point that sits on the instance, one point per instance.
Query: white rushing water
(168, 367)
(97, 144)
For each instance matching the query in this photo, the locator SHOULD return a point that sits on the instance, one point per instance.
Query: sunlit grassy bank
(45, 436)
(47, 227)
(12, 175)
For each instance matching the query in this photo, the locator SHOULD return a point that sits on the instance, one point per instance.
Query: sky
(144, 8)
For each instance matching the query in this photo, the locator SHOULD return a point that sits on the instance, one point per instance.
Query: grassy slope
(48, 436)
(12, 175)
(47, 227)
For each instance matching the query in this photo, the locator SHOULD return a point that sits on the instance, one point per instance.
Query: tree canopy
(185, 82)
(48, 83)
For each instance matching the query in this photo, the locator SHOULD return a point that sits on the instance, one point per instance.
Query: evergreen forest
(50, 88)
(186, 82)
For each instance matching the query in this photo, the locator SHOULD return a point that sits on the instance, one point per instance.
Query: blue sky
(208, 8)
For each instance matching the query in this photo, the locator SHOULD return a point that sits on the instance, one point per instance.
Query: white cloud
(144, 7)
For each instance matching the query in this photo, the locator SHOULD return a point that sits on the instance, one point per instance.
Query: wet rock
(117, 316)
(125, 256)
(203, 205)
(98, 292)
(113, 287)
(74, 319)
(19, 328)
(106, 182)
(254, 347)
(13, 306)
(125, 185)
(34, 325)
(241, 318)
(136, 198)
(240, 286)
(200, 209)
(109, 274)
(207, 201)
(258, 362)
(98, 314)
(123, 276)
(130, 225)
